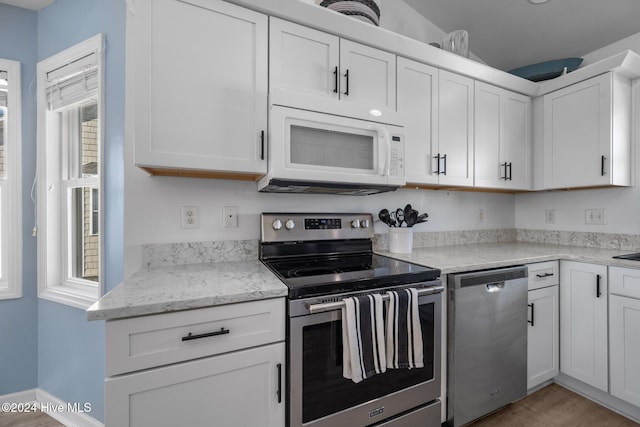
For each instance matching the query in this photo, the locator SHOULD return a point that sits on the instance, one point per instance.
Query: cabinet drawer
(543, 274)
(624, 281)
(145, 342)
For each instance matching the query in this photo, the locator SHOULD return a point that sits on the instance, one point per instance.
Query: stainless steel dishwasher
(487, 342)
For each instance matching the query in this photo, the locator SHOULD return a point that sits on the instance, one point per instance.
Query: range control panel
(284, 227)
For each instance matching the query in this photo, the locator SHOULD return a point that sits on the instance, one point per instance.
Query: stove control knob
(277, 224)
(290, 225)
(355, 223)
(364, 223)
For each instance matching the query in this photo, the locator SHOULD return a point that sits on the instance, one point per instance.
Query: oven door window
(325, 391)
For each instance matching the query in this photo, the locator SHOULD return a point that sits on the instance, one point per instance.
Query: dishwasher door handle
(494, 287)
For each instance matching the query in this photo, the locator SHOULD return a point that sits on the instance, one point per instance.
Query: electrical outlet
(190, 217)
(230, 216)
(550, 216)
(480, 217)
(595, 216)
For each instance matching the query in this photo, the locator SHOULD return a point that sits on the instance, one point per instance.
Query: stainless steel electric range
(322, 258)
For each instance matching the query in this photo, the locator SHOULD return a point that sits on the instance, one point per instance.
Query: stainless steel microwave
(312, 152)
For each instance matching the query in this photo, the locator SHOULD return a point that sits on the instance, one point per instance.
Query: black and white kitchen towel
(403, 331)
(363, 339)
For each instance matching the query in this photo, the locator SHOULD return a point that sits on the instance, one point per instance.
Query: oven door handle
(330, 306)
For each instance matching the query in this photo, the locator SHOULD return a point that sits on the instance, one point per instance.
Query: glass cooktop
(330, 274)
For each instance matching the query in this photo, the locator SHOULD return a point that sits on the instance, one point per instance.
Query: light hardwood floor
(554, 406)
(27, 419)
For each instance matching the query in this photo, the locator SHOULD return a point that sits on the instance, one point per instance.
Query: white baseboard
(71, 415)
(19, 397)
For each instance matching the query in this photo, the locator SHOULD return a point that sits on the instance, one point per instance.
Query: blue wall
(18, 332)
(71, 349)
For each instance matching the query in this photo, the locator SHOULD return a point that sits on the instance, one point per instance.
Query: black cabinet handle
(602, 161)
(346, 92)
(438, 160)
(598, 293)
(532, 305)
(262, 145)
(510, 171)
(335, 80)
(542, 276)
(279, 391)
(444, 169)
(191, 336)
(504, 165)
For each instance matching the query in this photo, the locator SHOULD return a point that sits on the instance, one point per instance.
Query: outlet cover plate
(190, 217)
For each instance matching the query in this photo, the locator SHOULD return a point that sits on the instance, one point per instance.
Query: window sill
(70, 295)
(7, 292)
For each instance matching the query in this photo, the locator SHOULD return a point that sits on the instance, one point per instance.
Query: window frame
(54, 216)
(10, 188)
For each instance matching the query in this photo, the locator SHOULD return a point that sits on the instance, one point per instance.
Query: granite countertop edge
(182, 287)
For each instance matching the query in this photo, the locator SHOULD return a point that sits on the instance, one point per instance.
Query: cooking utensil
(407, 211)
(412, 218)
(399, 217)
(422, 218)
(384, 217)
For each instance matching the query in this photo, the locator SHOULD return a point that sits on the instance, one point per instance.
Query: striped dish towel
(363, 343)
(404, 334)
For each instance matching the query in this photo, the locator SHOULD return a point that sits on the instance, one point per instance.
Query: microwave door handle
(384, 151)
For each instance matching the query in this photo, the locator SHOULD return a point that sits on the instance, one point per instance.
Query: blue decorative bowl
(547, 70)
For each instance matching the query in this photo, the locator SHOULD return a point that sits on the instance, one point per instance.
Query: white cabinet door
(243, 389)
(624, 324)
(502, 138)
(543, 352)
(368, 77)
(303, 64)
(455, 129)
(417, 98)
(587, 130)
(199, 86)
(316, 71)
(583, 323)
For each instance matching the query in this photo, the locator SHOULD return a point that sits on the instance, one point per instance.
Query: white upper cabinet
(587, 134)
(583, 323)
(453, 160)
(198, 80)
(502, 138)
(417, 103)
(314, 70)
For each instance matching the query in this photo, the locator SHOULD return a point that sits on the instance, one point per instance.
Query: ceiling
(507, 34)
(29, 4)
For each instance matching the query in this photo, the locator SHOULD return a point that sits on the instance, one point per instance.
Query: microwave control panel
(396, 161)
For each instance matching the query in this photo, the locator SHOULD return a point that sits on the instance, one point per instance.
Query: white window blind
(4, 85)
(72, 82)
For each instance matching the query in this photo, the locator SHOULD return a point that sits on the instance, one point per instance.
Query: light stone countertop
(460, 258)
(181, 287)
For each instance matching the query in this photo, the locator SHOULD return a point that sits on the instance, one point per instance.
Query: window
(10, 182)
(69, 174)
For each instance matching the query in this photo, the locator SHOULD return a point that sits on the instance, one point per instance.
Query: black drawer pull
(279, 391)
(532, 305)
(335, 80)
(598, 293)
(262, 145)
(542, 276)
(191, 336)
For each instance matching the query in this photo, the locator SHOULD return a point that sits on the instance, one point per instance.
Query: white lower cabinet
(240, 389)
(217, 366)
(542, 337)
(583, 323)
(624, 327)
